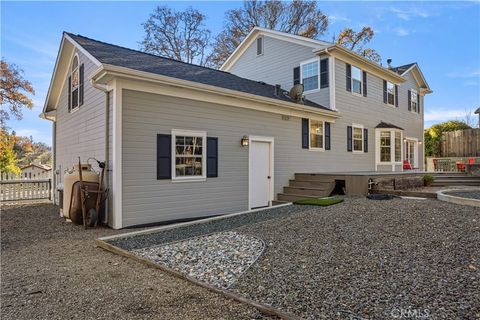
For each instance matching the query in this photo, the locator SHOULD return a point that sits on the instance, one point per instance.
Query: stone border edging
(266, 309)
(441, 195)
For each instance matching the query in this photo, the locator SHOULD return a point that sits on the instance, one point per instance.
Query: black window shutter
(396, 96)
(296, 75)
(364, 83)
(327, 136)
(69, 93)
(418, 102)
(365, 140)
(324, 73)
(349, 138)
(384, 91)
(349, 77)
(409, 100)
(81, 76)
(305, 133)
(164, 156)
(212, 157)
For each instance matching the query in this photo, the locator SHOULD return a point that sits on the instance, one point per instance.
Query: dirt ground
(51, 269)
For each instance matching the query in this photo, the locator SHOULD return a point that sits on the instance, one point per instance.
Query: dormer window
(75, 85)
(259, 46)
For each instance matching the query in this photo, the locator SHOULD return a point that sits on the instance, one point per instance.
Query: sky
(442, 37)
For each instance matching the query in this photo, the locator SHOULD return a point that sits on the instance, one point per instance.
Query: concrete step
(313, 177)
(455, 183)
(456, 177)
(318, 192)
(312, 184)
(277, 202)
(293, 197)
(457, 180)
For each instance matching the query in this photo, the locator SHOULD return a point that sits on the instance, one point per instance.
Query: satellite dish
(296, 93)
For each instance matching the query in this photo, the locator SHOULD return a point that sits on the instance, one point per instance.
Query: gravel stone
(218, 259)
(465, 194)
(50, 269)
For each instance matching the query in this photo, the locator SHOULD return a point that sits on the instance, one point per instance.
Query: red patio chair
(461, 166)
(471, 160)
(407, 165)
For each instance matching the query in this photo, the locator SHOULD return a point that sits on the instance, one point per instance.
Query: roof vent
(389, 63)
(278, 88)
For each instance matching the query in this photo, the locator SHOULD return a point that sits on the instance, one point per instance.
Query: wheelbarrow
(91, 216)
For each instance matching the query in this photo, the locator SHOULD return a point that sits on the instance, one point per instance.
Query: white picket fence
(14, 190)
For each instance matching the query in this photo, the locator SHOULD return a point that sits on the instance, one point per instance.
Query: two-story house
(183, 141)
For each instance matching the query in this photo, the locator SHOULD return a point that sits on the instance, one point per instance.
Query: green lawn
(318, 202)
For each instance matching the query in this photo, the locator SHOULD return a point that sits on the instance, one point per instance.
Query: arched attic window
(75, 84)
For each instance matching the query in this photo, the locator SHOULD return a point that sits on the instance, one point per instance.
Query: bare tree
(356, 41)
(180, 35)
(298, 17)
(13, 92)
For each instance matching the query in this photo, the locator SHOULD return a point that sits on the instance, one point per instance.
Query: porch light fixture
(420, 142)
(244, 141)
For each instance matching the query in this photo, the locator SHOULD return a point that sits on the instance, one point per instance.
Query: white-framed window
(310, 75)
(385, 146)
(357, 82)
(259, 46)
(317, 134)
(75, 83)
(390, 93)
(413, 100)
(389, 146)
(189, 149)
(357, 136)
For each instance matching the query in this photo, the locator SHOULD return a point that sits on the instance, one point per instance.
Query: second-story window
(259, 46)
(414, 101)
(390, 93)
(75, 82)
(310, 75)
(356, 80)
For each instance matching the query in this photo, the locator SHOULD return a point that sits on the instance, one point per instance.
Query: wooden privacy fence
(11, 190)
(461, 143)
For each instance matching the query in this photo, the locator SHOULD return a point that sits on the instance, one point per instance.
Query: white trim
(415, 150)
(323, 136)
(181, 132)
(153, 83)
(361, 127)
(309, 61)
(73, 109)
(117, 173)
(392, 161)
(331, 82)
(81, 49)
(270, 140)
(415, 66)
(262, 45)
(361, 81)
(394, 94)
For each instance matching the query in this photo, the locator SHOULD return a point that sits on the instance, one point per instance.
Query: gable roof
(417, 74)
(109, 54)
(257, 31)
(40, 166)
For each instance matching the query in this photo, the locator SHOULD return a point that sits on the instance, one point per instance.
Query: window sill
(316, 149)
(358, 151)
(195, 179)
(311, 91)
(74, 110)
(390, 105)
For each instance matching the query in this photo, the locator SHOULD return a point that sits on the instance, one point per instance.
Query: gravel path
(366, 259)
(51, 270)
(218, 259)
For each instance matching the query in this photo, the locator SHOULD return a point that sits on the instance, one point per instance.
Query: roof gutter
(115, 71)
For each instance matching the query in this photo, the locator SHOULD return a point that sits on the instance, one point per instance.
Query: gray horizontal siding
(81, 133)
(276, 65)
(147, 200)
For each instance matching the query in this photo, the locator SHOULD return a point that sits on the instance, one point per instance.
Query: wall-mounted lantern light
(244, 141)
(420, 142)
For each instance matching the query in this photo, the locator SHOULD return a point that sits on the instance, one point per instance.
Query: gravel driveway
(365, 259)
(51, 270)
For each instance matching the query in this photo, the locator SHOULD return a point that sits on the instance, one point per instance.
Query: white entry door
(411, 152)
(260, 173)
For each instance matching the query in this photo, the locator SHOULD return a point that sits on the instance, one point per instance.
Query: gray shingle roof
(401, 69)
(119, 56)
(386, 125)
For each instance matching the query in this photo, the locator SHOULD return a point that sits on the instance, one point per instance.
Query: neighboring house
(184, 141)
(36, 171)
